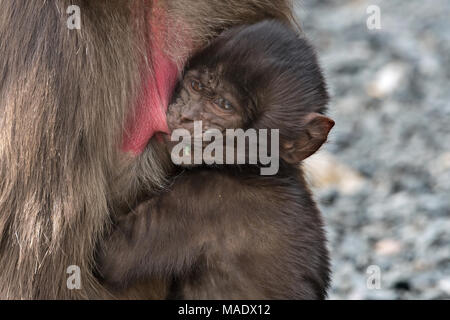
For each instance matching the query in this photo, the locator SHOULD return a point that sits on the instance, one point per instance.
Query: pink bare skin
(157, 88)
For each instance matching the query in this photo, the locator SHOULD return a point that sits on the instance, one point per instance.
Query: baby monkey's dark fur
(226, 232)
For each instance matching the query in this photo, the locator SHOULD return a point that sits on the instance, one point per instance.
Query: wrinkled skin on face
(204, 96)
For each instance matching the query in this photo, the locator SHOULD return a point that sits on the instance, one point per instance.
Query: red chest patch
(156, 91)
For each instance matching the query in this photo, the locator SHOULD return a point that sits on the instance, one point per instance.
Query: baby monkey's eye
(197, 86)
(224, 104)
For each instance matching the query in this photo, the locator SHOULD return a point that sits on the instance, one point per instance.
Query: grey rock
(397, 137)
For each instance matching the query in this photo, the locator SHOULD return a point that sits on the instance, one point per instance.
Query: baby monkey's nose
(189, 114)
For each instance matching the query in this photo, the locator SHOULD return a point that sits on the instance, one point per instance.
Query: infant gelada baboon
(226, 231)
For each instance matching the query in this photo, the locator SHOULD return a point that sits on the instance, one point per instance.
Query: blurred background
(383, 180)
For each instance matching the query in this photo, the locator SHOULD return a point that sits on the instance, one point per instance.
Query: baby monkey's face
(203, 102)
(204, 96)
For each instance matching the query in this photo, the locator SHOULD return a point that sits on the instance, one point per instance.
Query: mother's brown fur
(64, 96)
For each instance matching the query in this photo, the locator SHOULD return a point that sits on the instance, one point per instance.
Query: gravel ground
(387, 203)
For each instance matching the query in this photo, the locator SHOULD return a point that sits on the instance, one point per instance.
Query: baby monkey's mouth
(181, 131)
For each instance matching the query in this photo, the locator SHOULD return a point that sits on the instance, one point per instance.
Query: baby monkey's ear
(314, 134)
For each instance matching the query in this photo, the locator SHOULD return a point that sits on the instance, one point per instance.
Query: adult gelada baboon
(77, 111)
